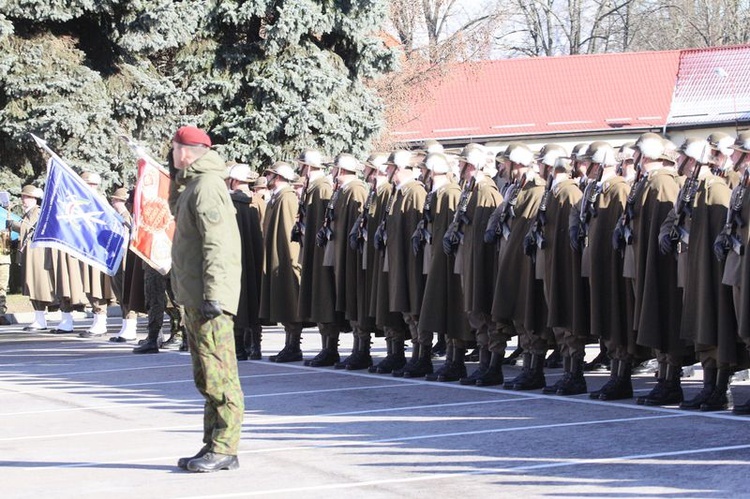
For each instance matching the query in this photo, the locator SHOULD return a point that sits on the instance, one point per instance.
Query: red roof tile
(547, 95)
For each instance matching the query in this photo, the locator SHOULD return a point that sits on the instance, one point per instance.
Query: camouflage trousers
(215, 373)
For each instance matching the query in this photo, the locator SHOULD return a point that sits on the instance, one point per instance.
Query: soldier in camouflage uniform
(206, 270)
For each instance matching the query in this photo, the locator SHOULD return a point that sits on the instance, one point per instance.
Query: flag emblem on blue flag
(76, 219)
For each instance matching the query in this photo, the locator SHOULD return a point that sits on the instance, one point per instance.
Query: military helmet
(346, 161)
(474, 154)
(743, 142)
(437, 163)
(32, 191)
(651, 145)
(521, 155)
(549, 153)
(601, 152)
(377, 161)
(283, 170)
(311, 157)
(400, 158)
(121, 194)
(505, 154)
(722, 142)
(579, 150)
(697, 149)
(626, 151)
(670, 153)
(432, 145)
(564, 163)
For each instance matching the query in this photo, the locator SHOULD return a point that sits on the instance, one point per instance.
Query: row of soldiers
(558, 249)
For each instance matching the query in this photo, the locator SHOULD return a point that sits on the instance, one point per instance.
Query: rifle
(623, 232)
(298, 229)
(358, 234)
(684, 209)
(422, 234)
(535, 237)
(589, 207)
(455, 235)
(381, 237)
(499, 223)
(728, 240)
(325, 233)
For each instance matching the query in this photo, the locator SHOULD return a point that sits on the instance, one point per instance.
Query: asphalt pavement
(86, 418)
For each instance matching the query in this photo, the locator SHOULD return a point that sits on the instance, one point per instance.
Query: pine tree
(264, 77)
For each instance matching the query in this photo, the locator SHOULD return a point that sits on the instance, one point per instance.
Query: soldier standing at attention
(206, 271)
(247, 330)
(317, 293)
(347, 263)
(709, 322)
(475, 260)
(658, 299)
(280, 283)
(442, 305)
(37, 280)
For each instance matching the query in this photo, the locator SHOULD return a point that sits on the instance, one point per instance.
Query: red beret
(192, 136)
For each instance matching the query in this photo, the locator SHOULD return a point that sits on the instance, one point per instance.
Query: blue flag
(79, 221)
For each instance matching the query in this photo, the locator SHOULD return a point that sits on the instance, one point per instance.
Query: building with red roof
(577, 98)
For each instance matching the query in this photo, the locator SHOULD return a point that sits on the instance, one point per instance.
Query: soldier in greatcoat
(733, 248)
(405, 277)
(518, 303)
(658, 299)
(317, 295)
(35, 268)
(441, 312)
(475, 260)
(280, 282)
(349, 275)
(708, 322)
(247, 329)
(591, 233)
(564, 286)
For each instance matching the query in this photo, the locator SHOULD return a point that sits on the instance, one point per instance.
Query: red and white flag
(153, 223)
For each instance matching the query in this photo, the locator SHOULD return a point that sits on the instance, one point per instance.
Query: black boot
(440, 348)
(709, 383)
(291, 351)
(511, 359)
(575, 383)
(721, 397)
(362, 359)
(525, 368)
(494, 373)
(329, 355)
(552, 389)
(623, 385)
(484, 363)
(150, 346)
(472, 356)
(388, 354)
(533, 379)
(610, 382)
(661, 371)
(395, 359)
(256, 332)
(670, 390)
(423, 366)
(239, 344)
(444, 366)
(457, 369)
(346, 361)
(415, 349)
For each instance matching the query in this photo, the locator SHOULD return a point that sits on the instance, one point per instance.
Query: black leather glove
(211, 309)
(353, 236)
(379, 241)
(618, 238)
(321, 238)
(666, 243)
(451, 240)
(493, 226)
(575, 236)
(722, 246)
(529, 244)
(298, 232)
(417, 238)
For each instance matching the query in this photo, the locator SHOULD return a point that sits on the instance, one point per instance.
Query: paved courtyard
(87, 418)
